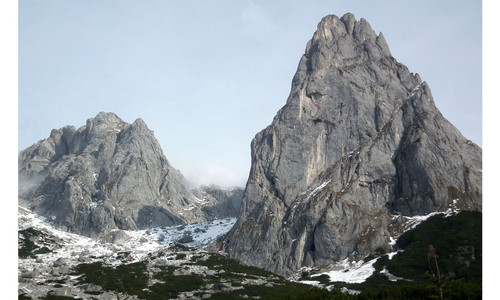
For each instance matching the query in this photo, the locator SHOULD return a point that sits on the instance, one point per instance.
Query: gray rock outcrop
(115, 237)
(359, 141)
(219, 202)
(105, 175)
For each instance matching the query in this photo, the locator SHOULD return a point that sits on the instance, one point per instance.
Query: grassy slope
(458, 243)
(457, 240)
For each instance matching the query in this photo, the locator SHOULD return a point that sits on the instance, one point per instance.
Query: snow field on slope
(357, 272)
(350, 272)
(138, 244)
(202, 233)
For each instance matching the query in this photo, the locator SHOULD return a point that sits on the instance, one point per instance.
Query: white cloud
(217, 174)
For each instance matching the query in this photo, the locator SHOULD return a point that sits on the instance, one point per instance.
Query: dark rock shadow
(153, 216)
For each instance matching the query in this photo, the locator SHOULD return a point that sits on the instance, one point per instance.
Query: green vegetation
(227, 283)
(171, 285)
(51, 297)
(232, 267)
(26, 245)
(131, 278)
(449, 269)
(23, 297)
(433, 271)
(48, 297)
(458, 240)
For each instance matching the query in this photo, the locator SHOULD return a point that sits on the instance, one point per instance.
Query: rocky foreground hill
(109, 174)
(147, 264)
(358, 146)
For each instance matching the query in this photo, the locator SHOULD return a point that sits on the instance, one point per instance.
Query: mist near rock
(109, 174)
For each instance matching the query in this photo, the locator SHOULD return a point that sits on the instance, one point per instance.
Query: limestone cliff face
(219, 202)
(107, 174)
(359, 140)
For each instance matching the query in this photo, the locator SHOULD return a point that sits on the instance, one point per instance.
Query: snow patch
(390, 276)
(349, 291)
(202, 233)
(313, 193)
(317, 190)
(412, 222)
(453, 208)
(311, 282)
(350, 272)
(391, 255)
(412, 93)
(139, 245)
(392, 242)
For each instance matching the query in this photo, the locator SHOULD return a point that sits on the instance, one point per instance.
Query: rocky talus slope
(358, 143)
(106, 175)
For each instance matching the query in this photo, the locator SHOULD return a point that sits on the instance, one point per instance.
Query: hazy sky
(206, 76)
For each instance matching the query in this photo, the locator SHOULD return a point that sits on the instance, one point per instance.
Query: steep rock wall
(359, 141)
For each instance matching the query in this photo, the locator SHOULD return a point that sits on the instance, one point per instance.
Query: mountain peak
(107, 174)
(333, 26)
(105, 120)
(106, 117)
(358, 141)
(344, 42)
(139, 123)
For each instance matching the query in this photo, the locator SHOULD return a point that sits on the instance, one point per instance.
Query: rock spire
(359, 142)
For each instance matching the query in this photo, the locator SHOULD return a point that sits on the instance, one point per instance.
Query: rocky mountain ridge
(357, 156)
(358, 145)
(110, 175)
(358, 148)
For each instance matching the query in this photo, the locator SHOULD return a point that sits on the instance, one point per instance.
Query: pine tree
(434, 274)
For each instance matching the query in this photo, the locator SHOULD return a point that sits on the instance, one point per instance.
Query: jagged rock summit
(105, 175)
(358, 143)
